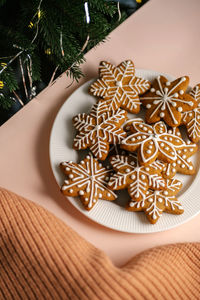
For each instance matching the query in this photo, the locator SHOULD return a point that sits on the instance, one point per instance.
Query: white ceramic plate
(112, 214)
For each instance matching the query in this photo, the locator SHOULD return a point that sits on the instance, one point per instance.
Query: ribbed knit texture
(42, 258)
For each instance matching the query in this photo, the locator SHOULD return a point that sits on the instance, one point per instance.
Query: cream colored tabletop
(162, 36)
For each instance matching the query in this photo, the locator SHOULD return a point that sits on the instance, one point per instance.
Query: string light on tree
(1, 84)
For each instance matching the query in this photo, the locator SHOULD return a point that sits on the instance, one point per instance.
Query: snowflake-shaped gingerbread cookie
(137, 179)
(88, 180)
(119, 86)
(152, 142)
(191, 119)
(157, 202)
(99, 129)
(183, 163)
(167, 100)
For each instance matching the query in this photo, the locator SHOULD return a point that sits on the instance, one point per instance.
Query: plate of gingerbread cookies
(124, 149)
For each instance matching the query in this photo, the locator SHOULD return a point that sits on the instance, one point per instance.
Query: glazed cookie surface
(152, 142)
(167, 100)
(137, 179)
(191, 119)
(119, 86)
(88, 180)
(99, 129)
(157, 202)
(183, 163)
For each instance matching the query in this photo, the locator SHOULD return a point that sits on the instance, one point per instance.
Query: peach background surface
(163, 36)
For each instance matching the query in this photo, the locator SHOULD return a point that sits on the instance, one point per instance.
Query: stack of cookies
(142, 156)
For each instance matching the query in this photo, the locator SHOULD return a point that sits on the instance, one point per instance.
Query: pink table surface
(163, 36)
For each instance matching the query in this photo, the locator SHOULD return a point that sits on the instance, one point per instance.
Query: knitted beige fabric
(42, 258)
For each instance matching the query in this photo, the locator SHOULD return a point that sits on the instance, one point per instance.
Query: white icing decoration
(162, 114)
(71, 176)
(191, 118)
(165, 98)
(180, 109)
(135, 179)
(101, 128)
(119, 83)
(91, 177)
(163, 142)
(152, 90)
(116, 89)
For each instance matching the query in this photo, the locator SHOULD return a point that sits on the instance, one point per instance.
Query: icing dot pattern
(89, 181)
(183, 163)
(153, 142)
(167, 100)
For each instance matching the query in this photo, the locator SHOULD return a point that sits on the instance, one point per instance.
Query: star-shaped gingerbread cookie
(119, 86)
(137, 179)
(157, 202)
(152, 142)
(88, 180)
(191, 119)
(167, 100)
(99, 129)
(183, 163)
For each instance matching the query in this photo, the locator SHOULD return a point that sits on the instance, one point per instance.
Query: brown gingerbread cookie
(99, 129)
(157, 202)
(137, 179)
(152, 142)
(191, 119)
(88, 180)
(119, 86)
(183, 163)
(167, 100)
